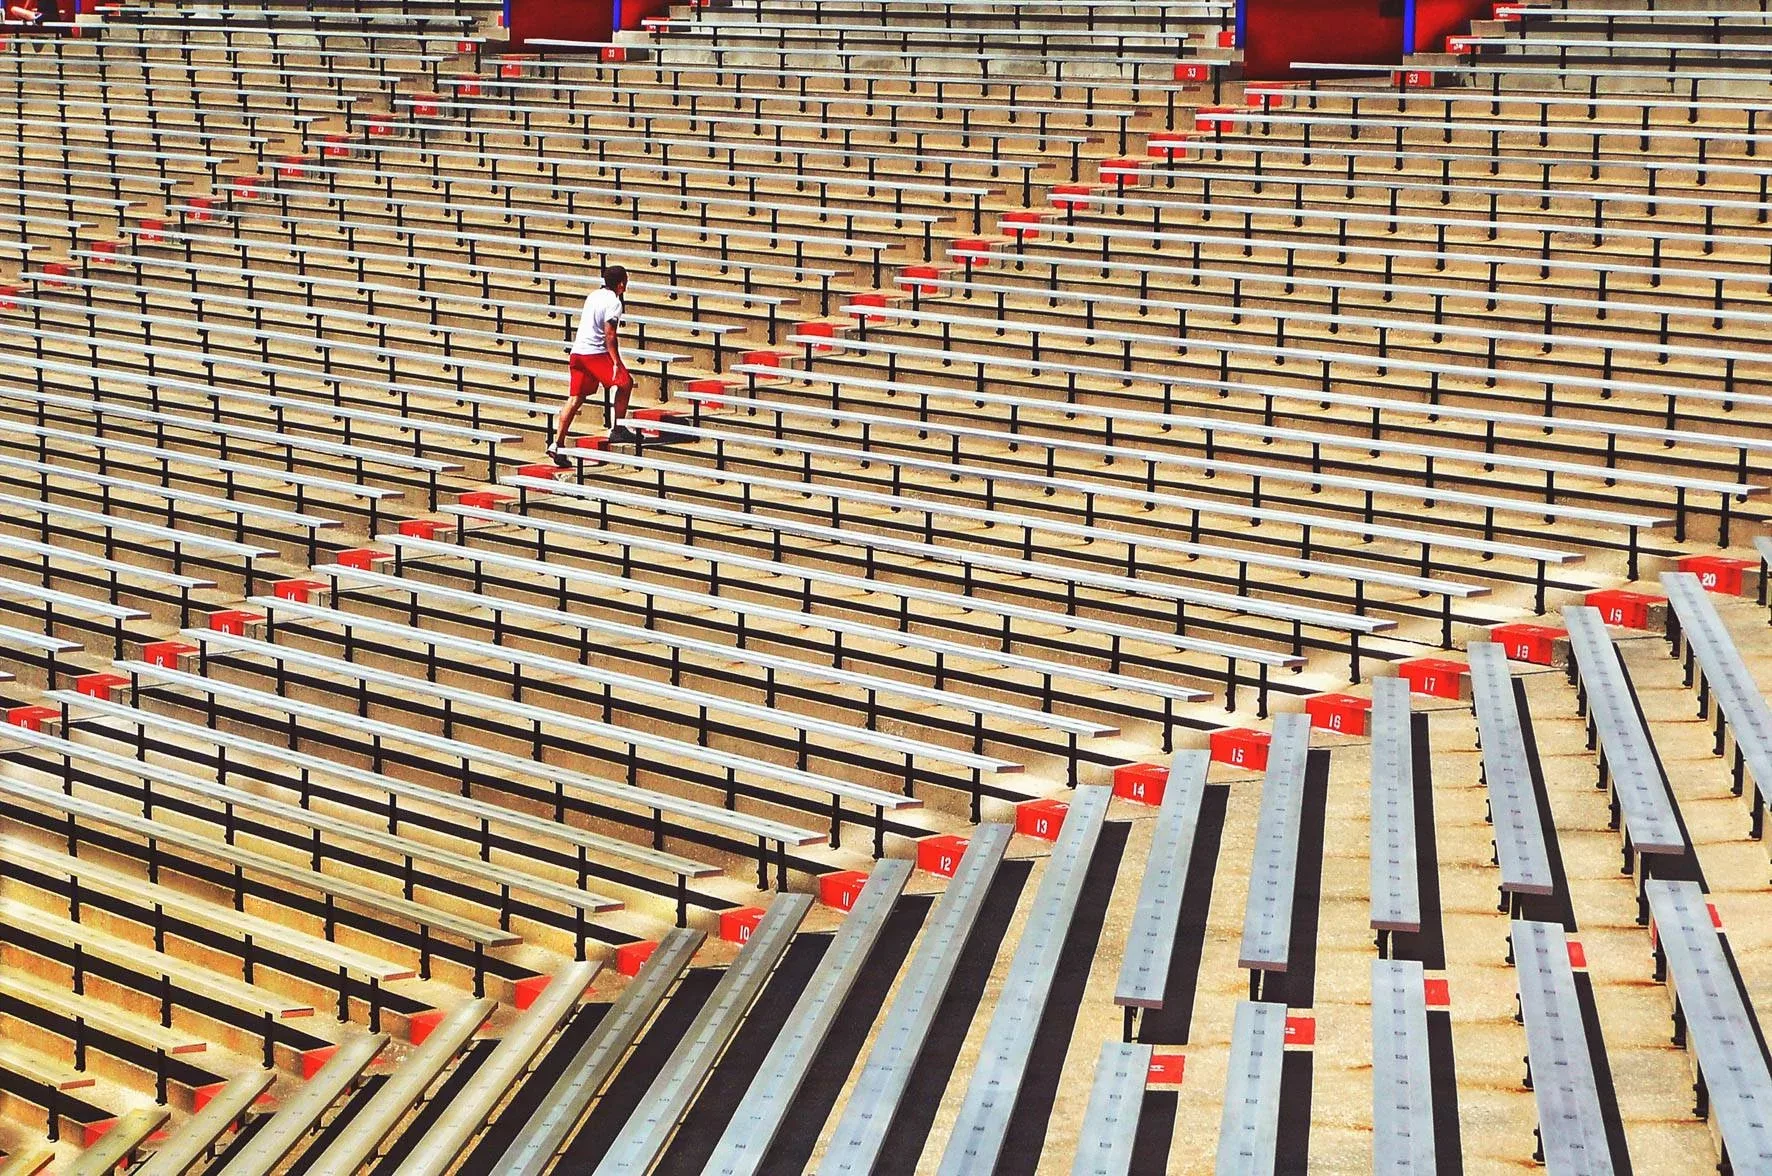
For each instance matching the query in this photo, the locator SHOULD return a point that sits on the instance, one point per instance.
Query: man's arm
(612, 344)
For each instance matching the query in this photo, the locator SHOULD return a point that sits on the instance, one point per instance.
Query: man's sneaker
(559, 457)
(622, 435)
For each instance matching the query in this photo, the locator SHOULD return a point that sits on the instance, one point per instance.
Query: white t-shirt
(602, 313)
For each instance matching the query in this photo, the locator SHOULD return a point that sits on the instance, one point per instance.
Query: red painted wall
(1435, 19)
(560, 20)
(1278, 32)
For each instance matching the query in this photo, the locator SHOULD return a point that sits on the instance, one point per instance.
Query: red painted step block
(335, 147)
(1577, 955)
(1346, 713)
(631, 957)
(425, 105)
(1624, 608)
(200, 209)
(1459, 45)
(613, 54)
(91, 1133)
(547, 471)
(817, 330)
(1536, 644)
(1214, 118)
(313, 1059)
(909, 275)
(292, 167)
(941, 855)
(868, 300)
(422, 1024)
(1227, 38)
(31, 718)
(761, 358)
(525, 991)
(842, 888)
(1144, 783)
(1440, 677)
(1415, 79)
(424, 528)
(1041, 818)
(106, 251)
(57, 269)
(8, 297)
(1719, 573)
(380, 126)
(361, 558)
(1121, 171)
(736, 925)
(100, 685)
(297, 590)
(484, 499)
(233, 620)
(1241, 747)
(1193, 71)
(1023, 223)
(166, 653)
(1165, 1069)
(1072, 195)
(1507, 12)
(713, 385)
(510, 69)
(1436, 992)
(467, 86)
(971, 250)
(1301, 1032)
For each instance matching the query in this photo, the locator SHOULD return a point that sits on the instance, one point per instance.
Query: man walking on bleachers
(596, 363)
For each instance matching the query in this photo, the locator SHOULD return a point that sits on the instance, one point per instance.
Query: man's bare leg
(573, 404)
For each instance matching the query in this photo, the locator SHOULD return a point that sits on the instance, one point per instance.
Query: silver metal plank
(1630, 758)
(649, 1128)
(563, 1106)
(28, 1161)
(1267, 919)
(1513, 804)
(1150, 941)
(443, 1145)
(516, 765)
(1402, 1081)
(1395, 886)
(746, 1141)
(193, 1141)
(1110, 1124)
(1731, 686)
(1249, 1128)
(638, 737)
(300, 1112)
(119, 1143)
(1570, 1126)
(983, 1121)
(855, 1143)
(1719, 1025)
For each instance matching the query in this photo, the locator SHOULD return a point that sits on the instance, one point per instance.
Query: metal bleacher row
(1122, 562)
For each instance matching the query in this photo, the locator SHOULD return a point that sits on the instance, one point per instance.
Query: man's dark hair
(613, 276)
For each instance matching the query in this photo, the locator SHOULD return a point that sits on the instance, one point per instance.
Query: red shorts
(591, 371)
